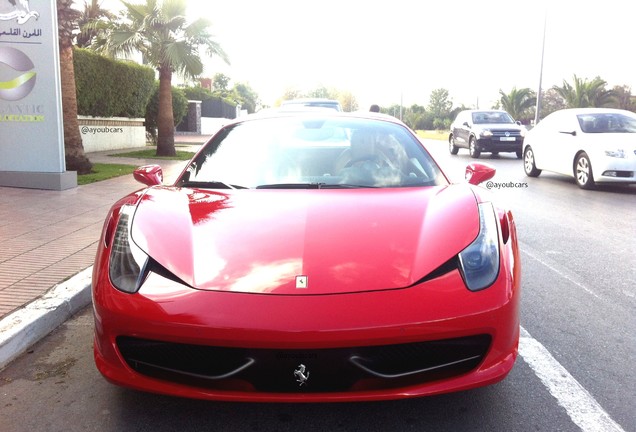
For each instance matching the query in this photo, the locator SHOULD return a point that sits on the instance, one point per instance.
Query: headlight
(523, 132)
(127, 260)
(479, 262)
(620, 153)
(486, 133)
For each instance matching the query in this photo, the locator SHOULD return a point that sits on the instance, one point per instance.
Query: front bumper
(298, 330)
(615, 170)
(495, 144)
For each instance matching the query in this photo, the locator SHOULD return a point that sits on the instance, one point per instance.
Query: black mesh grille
(500, 133)
(327, 370)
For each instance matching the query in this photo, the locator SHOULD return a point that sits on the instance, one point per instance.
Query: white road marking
(580, 405)
(561, 272)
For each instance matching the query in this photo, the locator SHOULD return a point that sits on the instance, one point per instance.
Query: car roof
(308, 100)
(485, 110)
(318, 114)
(594, 110)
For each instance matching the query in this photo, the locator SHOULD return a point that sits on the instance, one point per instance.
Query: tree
(75, 157)
(584, 93)
(220, 85)
(551, 102)
(290, 94)
(168, 43)
(348, 101)
(321, 92)
(439, 104)
(624, 98)
(92, 12)
(246, 96)
(519, 103)
(179, 109)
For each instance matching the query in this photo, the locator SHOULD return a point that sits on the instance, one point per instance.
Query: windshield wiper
(290, 186)
(210, 185)
(311, 186)
(345, 186)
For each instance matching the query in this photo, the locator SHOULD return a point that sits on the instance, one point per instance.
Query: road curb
(24, 327)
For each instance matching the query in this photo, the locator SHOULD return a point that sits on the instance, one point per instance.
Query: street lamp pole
(539, 96)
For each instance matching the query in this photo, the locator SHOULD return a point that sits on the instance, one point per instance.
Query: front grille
(327, 370)
(501, 133)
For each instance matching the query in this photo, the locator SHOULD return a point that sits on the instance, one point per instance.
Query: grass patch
(152, 154)
(433, 134)
(102, 171)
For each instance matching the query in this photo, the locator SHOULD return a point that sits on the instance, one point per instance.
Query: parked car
(285, 264)
(593, 145)
(493, 131)
(309, 103)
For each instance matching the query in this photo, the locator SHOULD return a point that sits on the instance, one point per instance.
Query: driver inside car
(369, 163)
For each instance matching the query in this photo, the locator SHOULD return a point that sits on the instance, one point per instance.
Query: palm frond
(173, 8)
(184, 59)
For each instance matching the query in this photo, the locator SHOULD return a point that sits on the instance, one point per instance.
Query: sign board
(31, 129)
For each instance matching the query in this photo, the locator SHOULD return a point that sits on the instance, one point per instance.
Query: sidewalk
(49, 240)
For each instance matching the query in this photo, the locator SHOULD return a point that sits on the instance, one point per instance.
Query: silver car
(491, 131)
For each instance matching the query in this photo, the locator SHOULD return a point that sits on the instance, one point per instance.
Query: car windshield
(492, 117)
(607, 123)
(318, 151)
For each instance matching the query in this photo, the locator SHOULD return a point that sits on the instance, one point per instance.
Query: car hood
(305, 241)
(498, 126)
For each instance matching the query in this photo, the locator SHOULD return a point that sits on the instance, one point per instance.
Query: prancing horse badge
(302, 374)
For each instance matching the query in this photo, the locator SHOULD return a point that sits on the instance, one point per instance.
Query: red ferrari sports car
(307, 257)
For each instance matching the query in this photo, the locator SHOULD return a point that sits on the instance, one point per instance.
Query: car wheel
(519, 154)
(528, 163)
(452, 148)
(583, 171)
(472, 147)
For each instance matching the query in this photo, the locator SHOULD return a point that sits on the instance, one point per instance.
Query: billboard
(31, 129)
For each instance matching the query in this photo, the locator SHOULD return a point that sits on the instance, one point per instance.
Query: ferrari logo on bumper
(302, 374)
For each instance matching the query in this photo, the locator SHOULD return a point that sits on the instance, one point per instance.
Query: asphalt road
(575, 370)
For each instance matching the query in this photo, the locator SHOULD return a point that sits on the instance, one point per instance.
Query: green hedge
(111, 88)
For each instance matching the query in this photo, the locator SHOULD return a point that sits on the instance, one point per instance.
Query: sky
(398, 51)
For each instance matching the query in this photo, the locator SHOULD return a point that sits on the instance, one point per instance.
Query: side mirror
(150, 175)
(518, 123)
(466, 124)
(479, 172)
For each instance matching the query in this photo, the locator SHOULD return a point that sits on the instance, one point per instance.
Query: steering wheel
(367, 158)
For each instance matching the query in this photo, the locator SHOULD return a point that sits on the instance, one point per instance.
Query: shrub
(197, 93)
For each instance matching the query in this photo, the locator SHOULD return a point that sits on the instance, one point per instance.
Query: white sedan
(593, 145)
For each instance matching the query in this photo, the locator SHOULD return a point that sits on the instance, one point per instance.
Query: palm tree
(586, 93)
(159, 31)
(518, 103)
(75, 157)
(93, 11)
